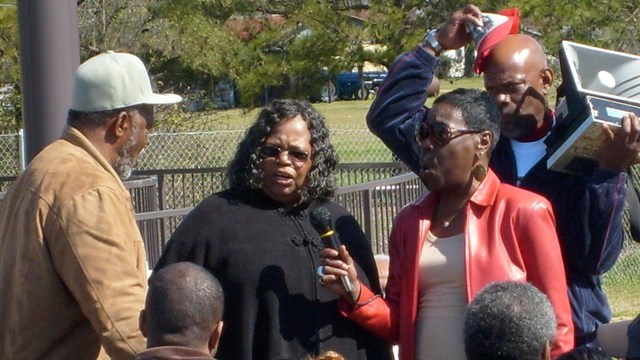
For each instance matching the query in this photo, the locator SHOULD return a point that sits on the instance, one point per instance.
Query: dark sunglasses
(441, 133)
(270, 151)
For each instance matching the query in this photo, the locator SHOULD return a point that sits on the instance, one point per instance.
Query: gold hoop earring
(479, 172)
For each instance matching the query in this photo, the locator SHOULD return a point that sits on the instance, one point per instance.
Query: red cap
(496, 34)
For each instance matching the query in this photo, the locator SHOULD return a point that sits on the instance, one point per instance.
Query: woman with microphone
(469, 231)
(256, 237)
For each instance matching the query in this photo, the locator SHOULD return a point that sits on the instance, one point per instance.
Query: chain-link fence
(216, 148)
(10, 154)
(210, 149)
(622, 283)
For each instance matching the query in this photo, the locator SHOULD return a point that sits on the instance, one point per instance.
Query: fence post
(49, 56)
(21, 151)
(368, 231)
(160, 185)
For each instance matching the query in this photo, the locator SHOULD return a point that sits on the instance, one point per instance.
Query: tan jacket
(72, 261)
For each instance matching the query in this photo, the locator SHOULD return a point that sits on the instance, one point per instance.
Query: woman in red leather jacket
(469, 231)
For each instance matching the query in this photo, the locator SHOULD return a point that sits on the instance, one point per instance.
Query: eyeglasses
(441, 133)
(270, 151)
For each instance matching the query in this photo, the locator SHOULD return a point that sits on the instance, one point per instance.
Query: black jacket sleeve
(399, 104)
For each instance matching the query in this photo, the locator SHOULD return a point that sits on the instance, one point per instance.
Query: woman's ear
(484, 142)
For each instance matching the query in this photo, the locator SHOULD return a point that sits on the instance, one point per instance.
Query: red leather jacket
(510, 235)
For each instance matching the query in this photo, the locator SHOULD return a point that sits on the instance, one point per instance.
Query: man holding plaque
(588, 207)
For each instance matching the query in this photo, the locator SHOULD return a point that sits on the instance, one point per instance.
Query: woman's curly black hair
(244, 172)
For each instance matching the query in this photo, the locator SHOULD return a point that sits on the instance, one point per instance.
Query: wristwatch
(431, 41)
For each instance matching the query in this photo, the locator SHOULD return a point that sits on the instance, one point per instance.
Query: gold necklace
(449, 221)
(446, 223)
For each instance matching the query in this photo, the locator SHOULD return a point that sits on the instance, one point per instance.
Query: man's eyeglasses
(441, 133)
(270, 151)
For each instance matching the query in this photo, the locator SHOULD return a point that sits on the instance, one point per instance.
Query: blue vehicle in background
(347, 85)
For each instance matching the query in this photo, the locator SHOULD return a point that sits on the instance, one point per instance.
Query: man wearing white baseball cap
(72, 260)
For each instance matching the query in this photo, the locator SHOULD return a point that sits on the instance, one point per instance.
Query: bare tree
(113, 25)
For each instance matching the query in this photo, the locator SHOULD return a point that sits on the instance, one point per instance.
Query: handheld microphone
(321, 221)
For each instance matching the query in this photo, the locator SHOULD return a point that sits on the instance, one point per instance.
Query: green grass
(350, 136)
(624, 299)
(339, 114)
(622, 284)
(345, 114)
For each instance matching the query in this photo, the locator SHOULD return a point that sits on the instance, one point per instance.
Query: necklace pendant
(446, 224)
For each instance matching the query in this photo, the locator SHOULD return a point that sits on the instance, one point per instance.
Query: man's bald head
(517, 76)
(519, 49)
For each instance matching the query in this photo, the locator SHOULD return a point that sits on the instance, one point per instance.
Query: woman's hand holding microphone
(334, 268)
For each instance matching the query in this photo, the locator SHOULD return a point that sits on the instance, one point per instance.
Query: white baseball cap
(114, 80)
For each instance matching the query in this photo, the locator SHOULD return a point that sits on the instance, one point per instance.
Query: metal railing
(161, 198)
(373, 204)
(182, 188)
(376, 203)
(144, 193)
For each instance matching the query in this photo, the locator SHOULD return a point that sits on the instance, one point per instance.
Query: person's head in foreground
(456, 141)
(509, 321)
(328, 355)
(286, 154)
(184, 308)
(112, 105)
(517, 76)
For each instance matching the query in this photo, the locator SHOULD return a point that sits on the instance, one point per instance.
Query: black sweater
(266, 258)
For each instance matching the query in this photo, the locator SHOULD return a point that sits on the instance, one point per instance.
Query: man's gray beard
(125, 163)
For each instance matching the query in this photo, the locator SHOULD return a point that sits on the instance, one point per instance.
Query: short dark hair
(507, 321)
(244, 172)
(184, 303)
(478, 109)
(95, 119)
